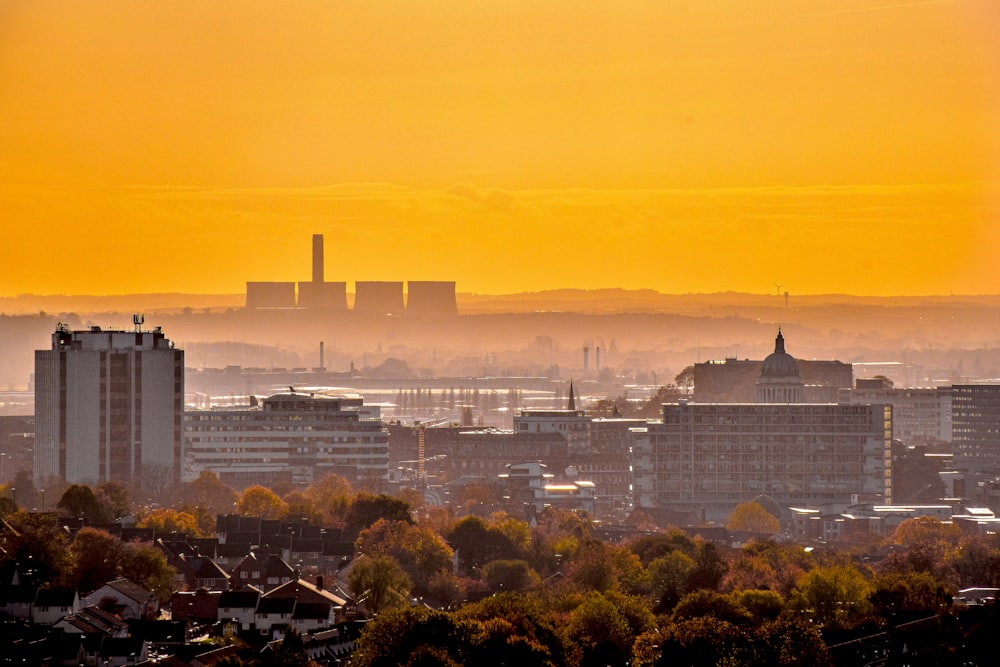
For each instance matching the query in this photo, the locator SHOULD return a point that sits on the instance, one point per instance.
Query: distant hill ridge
(604, 300)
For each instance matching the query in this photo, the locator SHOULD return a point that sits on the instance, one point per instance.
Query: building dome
(779, 380)
(780, 364)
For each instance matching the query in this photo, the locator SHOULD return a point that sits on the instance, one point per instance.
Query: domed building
(779, 380)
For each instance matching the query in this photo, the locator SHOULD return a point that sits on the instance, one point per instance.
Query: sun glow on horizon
(517, 146)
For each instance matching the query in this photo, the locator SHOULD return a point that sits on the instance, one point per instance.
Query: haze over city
(535, 332)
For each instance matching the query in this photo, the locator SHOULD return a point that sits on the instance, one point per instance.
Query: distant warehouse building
(292, 438)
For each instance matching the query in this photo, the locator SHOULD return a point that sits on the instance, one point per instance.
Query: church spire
(571, 404)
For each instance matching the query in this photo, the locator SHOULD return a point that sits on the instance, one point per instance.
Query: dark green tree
(367, 509)
(114, 496)
(80, 501)
(97, 557)
(509, 575)
(291, 652)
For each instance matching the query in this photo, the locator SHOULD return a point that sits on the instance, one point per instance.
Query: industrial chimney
(317, 258)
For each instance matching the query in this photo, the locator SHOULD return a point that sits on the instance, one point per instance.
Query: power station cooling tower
(427, 298)
(378, 297)
(326, 296)
(270, 295)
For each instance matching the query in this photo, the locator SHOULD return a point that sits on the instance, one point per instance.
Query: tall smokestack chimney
(317, 258)
(586, 358)
(598, 350)
(322, 364)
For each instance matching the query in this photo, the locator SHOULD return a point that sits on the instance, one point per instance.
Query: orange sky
(698, 145)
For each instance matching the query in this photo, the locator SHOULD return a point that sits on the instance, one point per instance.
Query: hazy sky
(699, 145)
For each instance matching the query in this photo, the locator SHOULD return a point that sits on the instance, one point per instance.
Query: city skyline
(813, 147)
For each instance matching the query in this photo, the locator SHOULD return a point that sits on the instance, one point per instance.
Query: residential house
(52, 604)
(127, 598)
(263, 571)
(239, 607)
(273, 615)
(93, 620)
(200, 606)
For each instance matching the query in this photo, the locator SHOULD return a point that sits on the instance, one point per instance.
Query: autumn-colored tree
(481, 495)
(332, 495)
(762, 605)
(537, 640)
(707, 640)
(700, 641)
(208, 491)
(301, 508)
(593, 567)
(787, 561)
(165, 521)
(749, 571)
(38, 539)
(600, 632)
(420, 552)
(837, 595)
(260, 501)
(379, 583)
(894, 592)
(710, 603)
(752, 517)
(414, 636)
(517, 532)
(978, 561)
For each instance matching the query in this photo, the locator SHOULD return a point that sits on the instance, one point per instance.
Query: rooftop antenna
(137, 320)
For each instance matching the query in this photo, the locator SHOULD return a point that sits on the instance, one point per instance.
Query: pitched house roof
(276, 606)
(303, 591)
(129, 589)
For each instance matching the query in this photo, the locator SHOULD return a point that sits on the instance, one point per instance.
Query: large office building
(975, 426)
(291, 438)
(717, 455)
(745, 380)
(920, 415)
(108, 406)
(712, 456)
